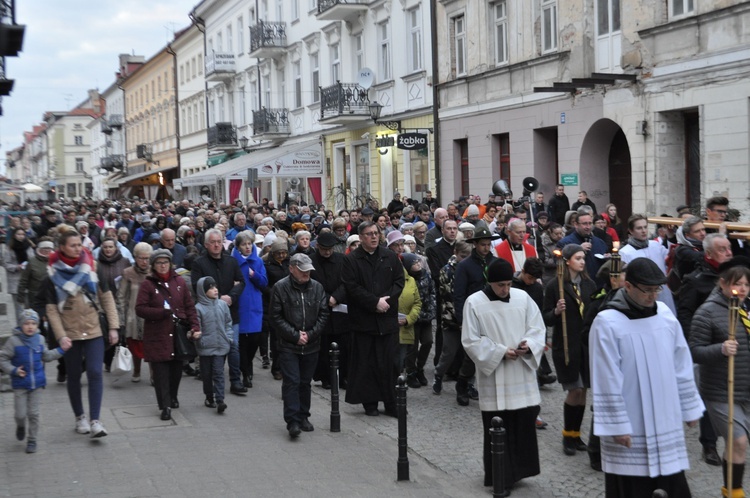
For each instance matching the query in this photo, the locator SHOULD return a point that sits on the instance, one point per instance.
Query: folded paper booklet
(340, 308)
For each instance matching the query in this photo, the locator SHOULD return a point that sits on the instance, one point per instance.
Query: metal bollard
(403, 459)
(660, 493)
(497, 450)
(335, 415)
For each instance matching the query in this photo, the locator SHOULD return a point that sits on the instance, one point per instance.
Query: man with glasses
(226, 273)
(515, 250)
(591, 244)
(638, 246)
(643, 388)
(374, 278)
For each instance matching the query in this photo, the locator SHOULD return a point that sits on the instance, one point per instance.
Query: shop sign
(412, 141)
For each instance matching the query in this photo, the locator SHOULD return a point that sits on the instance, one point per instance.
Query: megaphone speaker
(530, 183)
(500, 187)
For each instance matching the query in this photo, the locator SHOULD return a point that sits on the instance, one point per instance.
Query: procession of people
(189, 286)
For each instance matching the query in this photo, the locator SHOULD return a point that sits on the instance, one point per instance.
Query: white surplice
(658, 254)
(642, 384)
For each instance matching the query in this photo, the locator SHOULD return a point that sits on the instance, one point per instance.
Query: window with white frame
(359, 52)
(200, 63)
(312, 5)
(182, 74)
(414, 40)
(279, 10)
(219, 42)
(230, 100)
(240, 36)
(266, 92)
(196, 123)
(459, 45)
(79, 164)
(243, 106)
(282, 88)
(315, 77)
(78, 140)
(184, 121)
(549, 25)
(501, 32)
(295, 10)
(679, 8)
(335, 64)
(230, 41)
(384, 51)
(297, 85)
(220, 109)
(254, 96)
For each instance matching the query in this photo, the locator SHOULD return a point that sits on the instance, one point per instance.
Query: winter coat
(579, 364)
(426, 287)
(216, 325)
(251, 299)
(409, 304)
(13, 268)
(31, 280)
(708, 332)
(127, 295)
(79, 319)
(158, 327)
(29, 352)
(695, 289)
(109, 269)
(437, 256)
(296, 307)
(328, 273)
(367, 278)
(470, 278)
(226, 273)
(597, 247)
(447, 308)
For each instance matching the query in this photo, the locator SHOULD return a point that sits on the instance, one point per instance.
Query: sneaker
(210, 403)
(20, 432)
(421, 378)
(31, 447)
(306, 426)
(135, 378)
(97, 429)
(221, 406)
(472, 392)
(437, 385)
(412, 381)
(540, 424)
(266, 362)
(82, 425)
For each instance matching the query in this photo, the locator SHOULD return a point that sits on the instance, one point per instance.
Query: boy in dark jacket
(215, 341)
(23, 358)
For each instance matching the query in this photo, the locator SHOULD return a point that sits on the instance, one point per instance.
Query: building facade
(646, 110)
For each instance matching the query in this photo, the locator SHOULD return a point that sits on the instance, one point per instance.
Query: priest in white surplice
(503, 332)
(643, 388)
(638, 246)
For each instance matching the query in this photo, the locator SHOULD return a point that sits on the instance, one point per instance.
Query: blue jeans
(212, 373)
(233, 358)
(297, 371)
(93, 351)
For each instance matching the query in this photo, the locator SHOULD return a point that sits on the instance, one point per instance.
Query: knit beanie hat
(208, 282)
(410, 259)
(28, 315)
(161, 253)
(570, 249)
(499, 271)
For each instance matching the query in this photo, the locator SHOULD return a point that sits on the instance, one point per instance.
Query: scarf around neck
(638, 244)
(71, 279)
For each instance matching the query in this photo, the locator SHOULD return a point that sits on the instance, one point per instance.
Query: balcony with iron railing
(115, 121)
(270, 124)
(344, 103)
(105, 127)
(267, 40)
(340, 10)
(113, 162)
(220, 66)
(222, 136)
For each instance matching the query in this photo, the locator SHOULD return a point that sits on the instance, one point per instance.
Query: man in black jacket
(229, 280)
(438, 255)
(298, 313)
(559, 205)
(328, 265)
(374, 279)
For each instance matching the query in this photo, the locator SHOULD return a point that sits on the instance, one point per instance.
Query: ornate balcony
(267, 40)
(113, 162)
(115, 121)
(344, 103)
(271, 124)
(219, 66)
(340, 10)
(222, 136)
(106, 129)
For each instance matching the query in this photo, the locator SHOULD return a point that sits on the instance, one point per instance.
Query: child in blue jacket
(23, 358)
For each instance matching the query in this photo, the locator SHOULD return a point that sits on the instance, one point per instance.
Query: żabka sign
(412, 141)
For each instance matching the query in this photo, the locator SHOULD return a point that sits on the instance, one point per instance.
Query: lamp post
(375, 109)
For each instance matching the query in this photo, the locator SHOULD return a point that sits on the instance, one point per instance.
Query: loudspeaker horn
(530, 184)
(500, 187)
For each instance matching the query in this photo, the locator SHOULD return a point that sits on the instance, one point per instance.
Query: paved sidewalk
(247, 452)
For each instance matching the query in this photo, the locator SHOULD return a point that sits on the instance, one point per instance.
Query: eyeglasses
(652, 292)
(162, 262)
(370, 234)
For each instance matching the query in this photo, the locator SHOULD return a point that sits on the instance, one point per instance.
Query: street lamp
(375, 110)
(243, 144)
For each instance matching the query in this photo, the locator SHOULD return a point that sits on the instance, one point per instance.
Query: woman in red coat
(162, 295)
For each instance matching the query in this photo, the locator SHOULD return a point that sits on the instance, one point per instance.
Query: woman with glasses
(132, 278)
(573, 374)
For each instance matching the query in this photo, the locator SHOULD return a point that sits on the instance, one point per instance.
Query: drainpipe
(435, 98)
(171, 51)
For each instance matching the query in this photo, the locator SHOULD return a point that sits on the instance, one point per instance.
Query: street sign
(569, 179)
(412, 141)
(382, 142)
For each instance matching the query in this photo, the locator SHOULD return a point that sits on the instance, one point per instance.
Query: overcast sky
(71, 46)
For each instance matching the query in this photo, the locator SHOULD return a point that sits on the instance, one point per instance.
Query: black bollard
(497, 450)
(660, 493)
(335, 415)
(403, 459)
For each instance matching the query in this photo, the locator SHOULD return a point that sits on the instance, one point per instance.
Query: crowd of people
(485, 287)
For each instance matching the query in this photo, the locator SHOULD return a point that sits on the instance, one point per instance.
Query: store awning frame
(142, 174)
